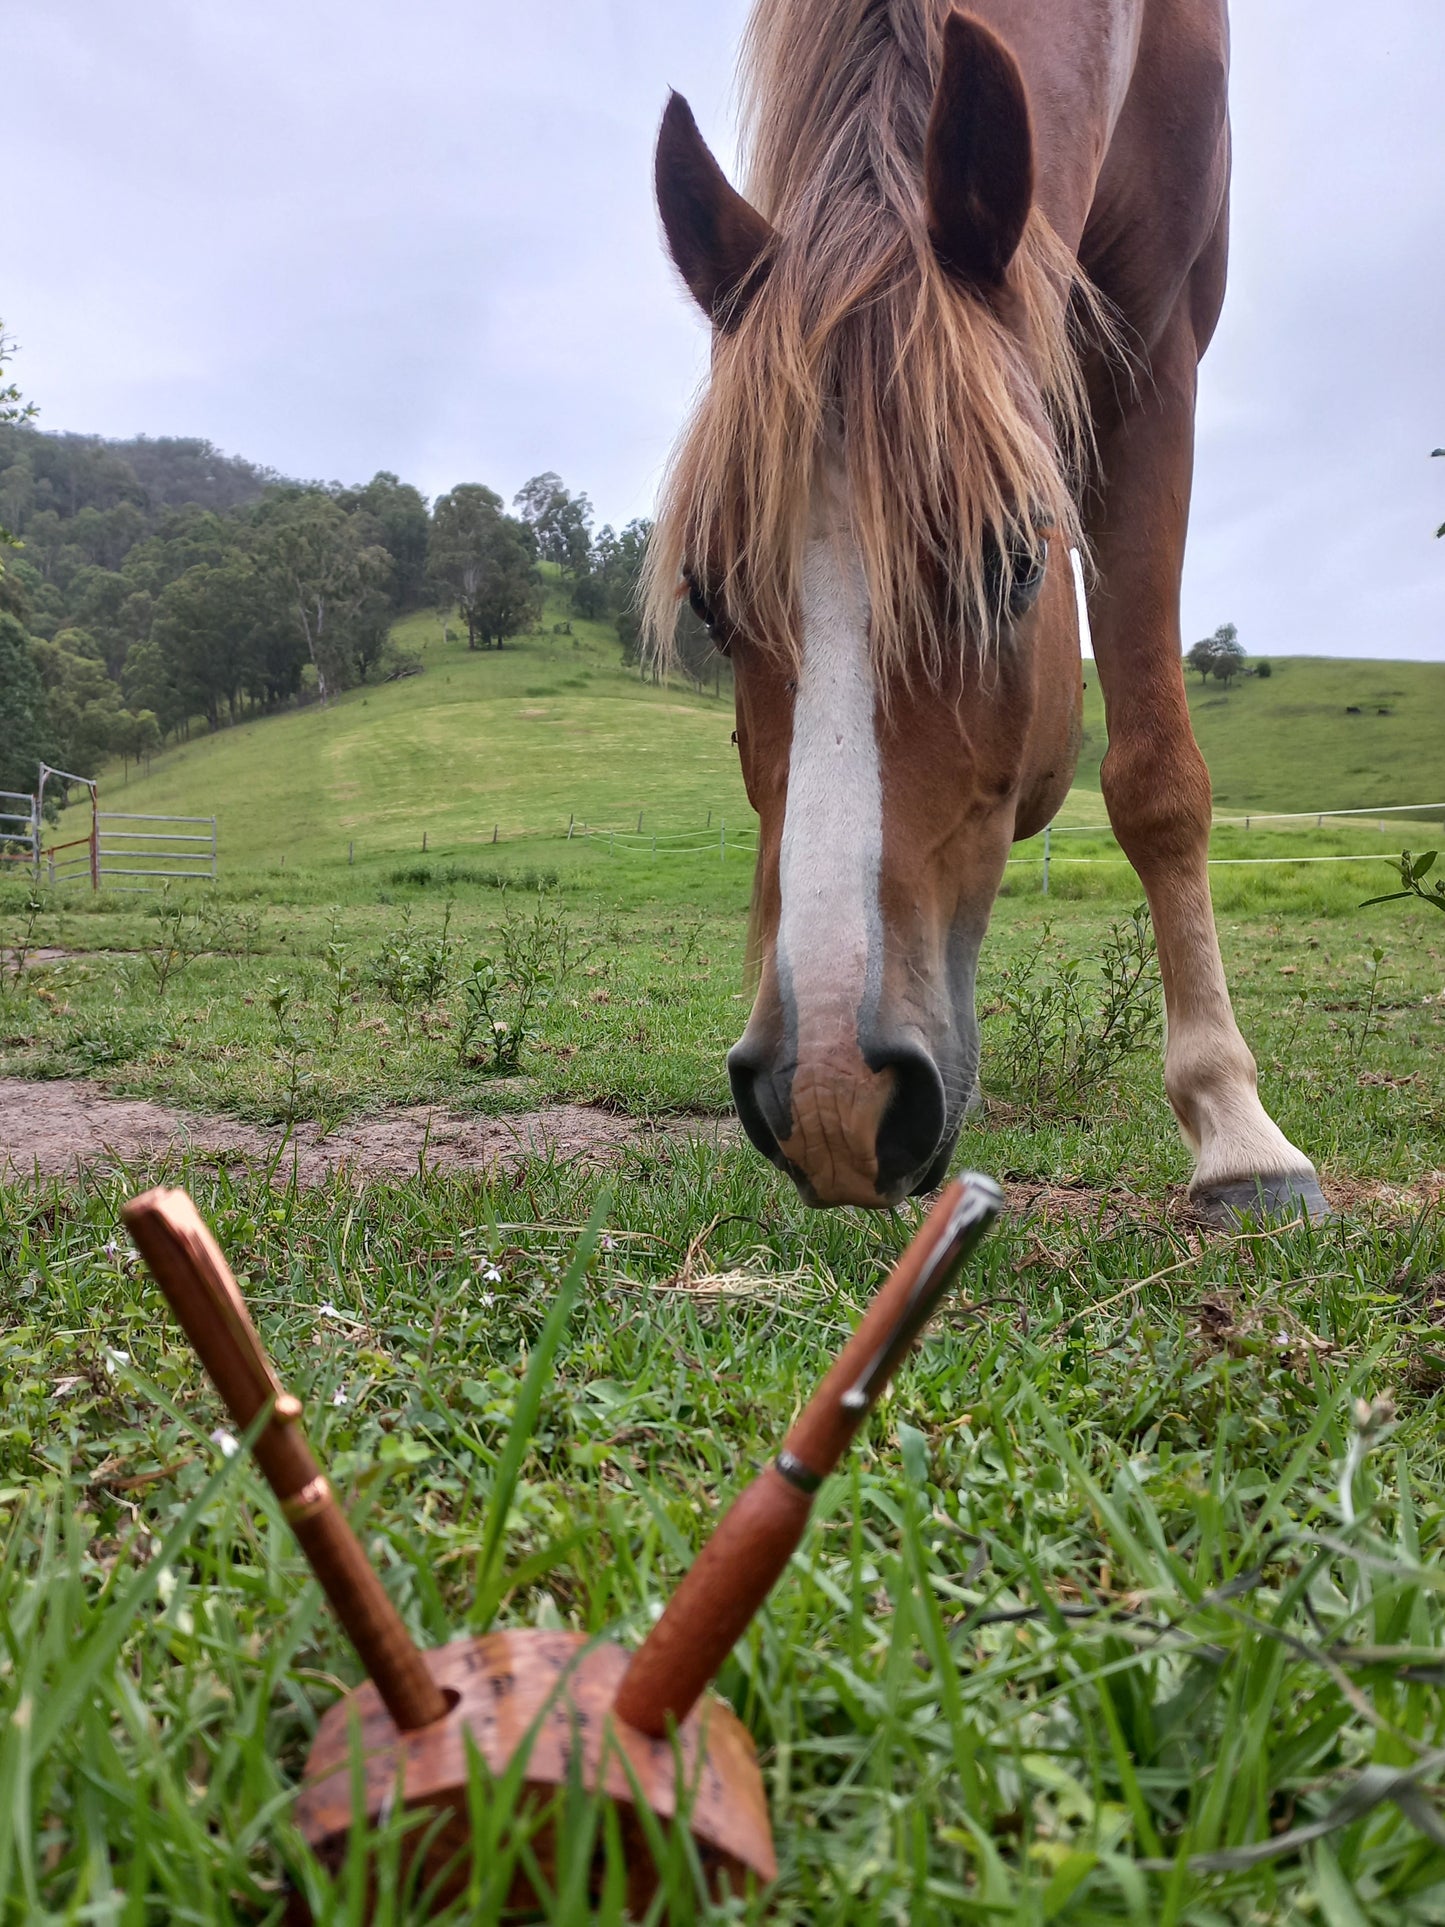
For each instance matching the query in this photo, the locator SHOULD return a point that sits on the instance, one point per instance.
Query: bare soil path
(53, 1128)
(50, 1129)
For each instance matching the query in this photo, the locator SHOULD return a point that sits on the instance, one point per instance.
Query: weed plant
(1413, 872)
(504, 997)
(21, 941)
(1063, 1028)
(178, 936)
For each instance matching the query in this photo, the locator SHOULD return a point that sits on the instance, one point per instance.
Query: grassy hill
(552, 728)
(519, 739)
(1290, 742)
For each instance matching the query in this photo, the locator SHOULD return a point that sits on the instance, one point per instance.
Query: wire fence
(720, 841)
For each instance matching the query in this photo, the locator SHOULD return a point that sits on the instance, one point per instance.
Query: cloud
(344, 237)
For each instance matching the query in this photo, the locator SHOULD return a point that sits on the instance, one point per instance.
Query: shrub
(1066, 1027)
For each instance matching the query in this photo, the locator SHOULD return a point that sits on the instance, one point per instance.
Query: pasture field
(552, 727)
(1129, 1606)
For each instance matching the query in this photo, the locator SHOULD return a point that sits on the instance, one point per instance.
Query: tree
(331, 582)
(24, 732)
(148, 688)
(81, 701)
(203, 623)
(1219, 655)
(618, 560)
(1228, 654)
(394, 517)
(483, 564)
(1200, 657)
(508, 594)
(135, 734)
(13, 408)
(560, 521)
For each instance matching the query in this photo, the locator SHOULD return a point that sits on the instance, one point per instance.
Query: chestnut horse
(918, 417)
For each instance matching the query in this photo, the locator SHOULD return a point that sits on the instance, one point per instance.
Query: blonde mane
(953, 428)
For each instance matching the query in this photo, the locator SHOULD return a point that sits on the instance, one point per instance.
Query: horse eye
(699, 606)
(1028, 578)
(705, 616)
(1027, 562)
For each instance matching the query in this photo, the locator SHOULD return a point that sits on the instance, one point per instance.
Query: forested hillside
(161, 583)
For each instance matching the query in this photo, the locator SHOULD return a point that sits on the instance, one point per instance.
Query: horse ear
(978, 158)
(718, 240)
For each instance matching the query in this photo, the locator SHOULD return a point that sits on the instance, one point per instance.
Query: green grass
(1290, 743)
(1082, 1610)
(519, 740)
(1085, 1612)
(1117, 1614)
(552, 728)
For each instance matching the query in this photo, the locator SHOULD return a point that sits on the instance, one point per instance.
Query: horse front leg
(1156, 787)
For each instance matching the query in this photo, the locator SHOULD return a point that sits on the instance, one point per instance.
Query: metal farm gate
(159, 849)
(77, 859)
(121, 849)
(19, 828)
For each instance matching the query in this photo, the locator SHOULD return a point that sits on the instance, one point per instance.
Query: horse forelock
(955, 418)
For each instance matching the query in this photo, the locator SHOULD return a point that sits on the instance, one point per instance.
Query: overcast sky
(338, 237)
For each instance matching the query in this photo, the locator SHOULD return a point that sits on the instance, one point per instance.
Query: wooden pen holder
(551, 1693)
(638, 1728)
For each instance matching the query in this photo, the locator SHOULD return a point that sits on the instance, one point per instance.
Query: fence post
(1047, 828)
(495, 828)
(423, 842)
(351, 852)
(571, 824)
(639, 822)
(654, 849)
(94, 837)
(612, 842)
(722, 840)
(214, 852)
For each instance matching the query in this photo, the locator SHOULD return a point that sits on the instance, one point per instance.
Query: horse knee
(1158, 798)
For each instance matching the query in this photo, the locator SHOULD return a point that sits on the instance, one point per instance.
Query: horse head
(871, 513)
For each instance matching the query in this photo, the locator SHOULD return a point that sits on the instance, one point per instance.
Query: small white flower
(607, 1242)
(338, 1397)
(227, 1441)
(112, 1359)
(487, 1300)
(490, 1275)
(328, 1310)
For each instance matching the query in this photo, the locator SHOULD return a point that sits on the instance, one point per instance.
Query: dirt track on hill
(53, 1129)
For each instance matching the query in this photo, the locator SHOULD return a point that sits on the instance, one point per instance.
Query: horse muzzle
(849, 1125)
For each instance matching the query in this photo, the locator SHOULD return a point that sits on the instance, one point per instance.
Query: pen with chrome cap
(739, 1565)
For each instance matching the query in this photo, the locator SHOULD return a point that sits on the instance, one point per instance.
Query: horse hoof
(1287, 1194)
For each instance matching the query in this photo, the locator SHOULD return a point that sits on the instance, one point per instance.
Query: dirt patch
(1355, 1197)
(50, 1130)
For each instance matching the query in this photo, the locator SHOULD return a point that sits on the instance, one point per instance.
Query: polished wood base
(502, 1686)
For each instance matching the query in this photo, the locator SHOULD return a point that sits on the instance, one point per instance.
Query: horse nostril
(915, 1121)
(755, 1096)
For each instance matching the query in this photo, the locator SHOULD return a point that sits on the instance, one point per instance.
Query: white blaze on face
(828, 929)
(1081, 604)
